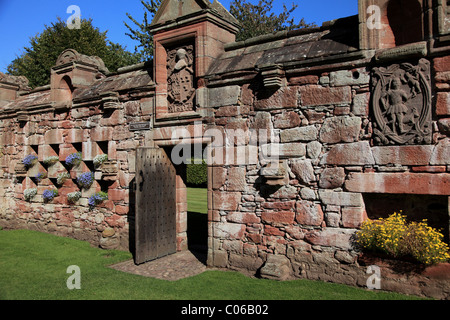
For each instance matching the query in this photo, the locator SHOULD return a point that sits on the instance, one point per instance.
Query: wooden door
(155, 223)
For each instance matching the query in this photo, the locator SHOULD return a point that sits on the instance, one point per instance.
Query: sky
(22, 19)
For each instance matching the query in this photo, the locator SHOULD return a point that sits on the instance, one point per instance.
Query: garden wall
(305, 129)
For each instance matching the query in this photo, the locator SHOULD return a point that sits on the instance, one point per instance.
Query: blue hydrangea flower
(85, 180)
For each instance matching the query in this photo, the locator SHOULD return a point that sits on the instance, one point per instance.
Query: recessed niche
(414, 207)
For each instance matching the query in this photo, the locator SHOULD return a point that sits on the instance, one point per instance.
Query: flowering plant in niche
(29, 160)
(49, 194)
(40, 176)
(98, 160)
(51, 160)
(73, 159)
(85, 180)
(62, 177)
(29, 193)
(74, 196)
(97, 198)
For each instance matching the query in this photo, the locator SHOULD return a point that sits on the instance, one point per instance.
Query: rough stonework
(307, 133)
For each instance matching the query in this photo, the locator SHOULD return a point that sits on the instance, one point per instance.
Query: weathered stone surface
(313, 149)
(340, 129)
(341, 198)
(353, 217)
(332, 178)
(409, 183)
(444, 126)
(443, 104)
(278, 218)
(277, 267)
(360, 106)
(331, 237)
(358, 153)
(304, 170)
(313, 95)
(226, 200)
(226, 230)
(441, 153)
(349, 77)
(287, 150)
(308, 133)
(308, 213)
(236, 179)
(243, 217)
(285, 97)
(402, 155)
(287, 120)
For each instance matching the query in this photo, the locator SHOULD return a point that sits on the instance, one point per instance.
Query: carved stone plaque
(401, 104)
(180, 79)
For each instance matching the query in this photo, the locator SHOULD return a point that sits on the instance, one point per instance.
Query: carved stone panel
(401, 104)
(180, 79)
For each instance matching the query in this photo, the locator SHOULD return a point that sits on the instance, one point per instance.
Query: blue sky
(22, 19)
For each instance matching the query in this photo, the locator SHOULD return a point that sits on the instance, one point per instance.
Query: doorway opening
(192, 199)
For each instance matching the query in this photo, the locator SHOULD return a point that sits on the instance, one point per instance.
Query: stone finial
(71, 55)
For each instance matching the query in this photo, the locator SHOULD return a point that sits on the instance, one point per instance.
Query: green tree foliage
(141, 34)
(36, 61)
(258, 19)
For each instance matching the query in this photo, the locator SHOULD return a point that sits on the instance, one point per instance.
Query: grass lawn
(33, 265)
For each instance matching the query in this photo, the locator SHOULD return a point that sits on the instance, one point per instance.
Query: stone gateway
(317, 130)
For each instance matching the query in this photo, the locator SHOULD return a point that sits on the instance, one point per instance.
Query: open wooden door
(155, 222)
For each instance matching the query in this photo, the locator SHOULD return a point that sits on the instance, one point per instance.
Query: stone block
(341, 198)
(398, 183)
(223, 96)
(303, 170)
(444, 126)
(443, 104)
(54, 136)
(360, 106)
(225, 230)
(402, 155)
(313, 149)
(243, 217)
(314, 95)
(276, 267)
(278, 218)
(441, 153)
(276, 151)
(340, 129)
(287, 120)
(349, 77)
(331, 237)
(236, 179)
(332, 178)
(308, 133)
(357, 153)
(228, 201)
(285, 97)
(101, 134)
(353, 217)
(309, 213)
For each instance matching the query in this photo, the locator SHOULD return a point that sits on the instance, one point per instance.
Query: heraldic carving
(180, 79)
(401, 104)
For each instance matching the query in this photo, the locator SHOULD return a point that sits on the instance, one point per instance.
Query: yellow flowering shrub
(396, 237)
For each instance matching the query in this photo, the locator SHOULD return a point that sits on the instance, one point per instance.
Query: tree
(36, 62)
(141, 34)
(258, 19)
